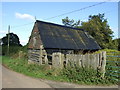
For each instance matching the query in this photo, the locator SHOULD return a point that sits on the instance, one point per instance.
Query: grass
(74, 74)
(33, 70)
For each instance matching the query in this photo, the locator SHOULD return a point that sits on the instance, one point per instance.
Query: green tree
(13, 40)
(115, 44)
(70, 23)
(98, 27)
(119, 44)
(14, 43)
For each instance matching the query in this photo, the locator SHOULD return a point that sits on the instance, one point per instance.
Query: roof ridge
(59, 25)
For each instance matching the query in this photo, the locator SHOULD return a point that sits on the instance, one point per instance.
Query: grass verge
(74, 74)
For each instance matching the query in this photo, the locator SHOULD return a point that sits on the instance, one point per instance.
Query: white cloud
(24, 16)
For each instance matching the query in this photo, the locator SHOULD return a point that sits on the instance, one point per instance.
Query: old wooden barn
(49, 38)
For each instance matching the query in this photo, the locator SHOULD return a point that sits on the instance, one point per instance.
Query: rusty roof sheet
(63, 37)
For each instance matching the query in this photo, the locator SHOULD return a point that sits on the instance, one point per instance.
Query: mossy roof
(63, 37)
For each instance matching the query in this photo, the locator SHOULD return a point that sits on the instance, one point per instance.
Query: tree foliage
(97, 26)
(116, 44)
(13, 40)
(70, 23)
(14, 43)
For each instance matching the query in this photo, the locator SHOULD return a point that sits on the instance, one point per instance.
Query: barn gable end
(35, 40)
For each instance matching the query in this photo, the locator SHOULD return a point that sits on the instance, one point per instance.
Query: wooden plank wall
(97, 61)
(33, 56)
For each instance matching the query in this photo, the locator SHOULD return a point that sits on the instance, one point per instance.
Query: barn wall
(37, 56)
(96, 61)
(34, 40)
(36, 52)
(33, 56)
(60, 60)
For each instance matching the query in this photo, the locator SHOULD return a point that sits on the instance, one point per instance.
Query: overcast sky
(20, 15)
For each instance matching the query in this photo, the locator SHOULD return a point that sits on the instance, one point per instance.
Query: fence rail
(112, 66)
(114, 71)
(112, 56)
(113, 61)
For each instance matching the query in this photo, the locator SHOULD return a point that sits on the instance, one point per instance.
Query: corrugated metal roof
(62, 37)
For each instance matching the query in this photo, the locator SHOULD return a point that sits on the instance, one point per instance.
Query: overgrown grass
(74, 74)
(33, 70)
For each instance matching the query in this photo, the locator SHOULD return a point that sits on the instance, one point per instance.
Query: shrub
(12, 50)
(83, 75)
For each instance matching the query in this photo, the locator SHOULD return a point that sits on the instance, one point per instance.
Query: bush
(12, 50)
(83, 75)
(15, 51)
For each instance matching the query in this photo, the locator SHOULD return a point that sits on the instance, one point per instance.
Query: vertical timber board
(62, 60)
(67, 60)
(80, 60)
(83, 61)
(94, 62)
(57, 60)
(90, 61)
(103, 63)
(77, 60)
(100, 59)
(97, 59)
(73, 60)
(86, 60)
(53, 62)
